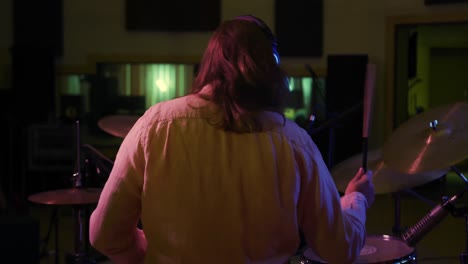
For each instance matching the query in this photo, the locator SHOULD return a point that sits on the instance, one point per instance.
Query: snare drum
(385, 249)
(379, 249)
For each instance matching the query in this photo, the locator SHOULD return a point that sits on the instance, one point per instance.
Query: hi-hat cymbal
(385, 179)
(416, 147)
(73, 196)
(117, 125)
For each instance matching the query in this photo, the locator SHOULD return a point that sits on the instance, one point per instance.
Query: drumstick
(368, 94)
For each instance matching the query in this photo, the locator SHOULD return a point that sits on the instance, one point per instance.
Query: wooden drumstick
(368, 95)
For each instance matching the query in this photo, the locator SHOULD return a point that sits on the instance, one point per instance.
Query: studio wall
(96, 29)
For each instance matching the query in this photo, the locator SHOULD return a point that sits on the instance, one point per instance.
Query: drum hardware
(79, 198)
(80, 211)
(415, 233)
(53, 223)
(463, 212)
(433, 151)
(299, 259)
(97, 167)
(396, 229)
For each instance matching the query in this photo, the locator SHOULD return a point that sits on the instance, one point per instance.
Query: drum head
(384, 248)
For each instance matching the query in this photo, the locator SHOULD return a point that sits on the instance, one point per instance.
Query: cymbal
(117, 125)
(73, 196)
(385, 179)
(416, 147)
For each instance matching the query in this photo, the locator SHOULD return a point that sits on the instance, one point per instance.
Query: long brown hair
(239, 65)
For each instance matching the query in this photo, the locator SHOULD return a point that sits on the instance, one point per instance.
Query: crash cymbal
(73, 196)
(416, 147)
(117, 125)
(385, 179)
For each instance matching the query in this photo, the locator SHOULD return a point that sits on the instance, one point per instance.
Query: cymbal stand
(396, 229)
(458, 172)
(434, 217)
(53, 223)
(458, 212)
(462, 212)
(77, 176)
(464, 255)
(80, 255)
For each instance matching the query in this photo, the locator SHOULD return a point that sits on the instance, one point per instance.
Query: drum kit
(79, 196)
(421, 150)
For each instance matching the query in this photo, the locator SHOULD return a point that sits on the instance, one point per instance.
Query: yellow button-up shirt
(205, 195)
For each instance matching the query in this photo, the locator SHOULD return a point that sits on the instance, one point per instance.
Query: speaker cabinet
(345, 82)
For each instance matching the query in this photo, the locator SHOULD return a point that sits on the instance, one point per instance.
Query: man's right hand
(362, 182)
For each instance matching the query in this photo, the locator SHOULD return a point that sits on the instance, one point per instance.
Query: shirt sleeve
(333, 227)
(113, 228)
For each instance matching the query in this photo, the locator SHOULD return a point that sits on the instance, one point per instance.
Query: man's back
(211, 195)
(205, 195)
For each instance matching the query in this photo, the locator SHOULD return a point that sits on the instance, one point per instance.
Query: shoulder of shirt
(191, 106)
(180, 107)
(298, 136)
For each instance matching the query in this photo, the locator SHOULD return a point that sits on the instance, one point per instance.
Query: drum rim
(388, 237)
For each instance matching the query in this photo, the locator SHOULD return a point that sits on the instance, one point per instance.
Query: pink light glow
(417, 162)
